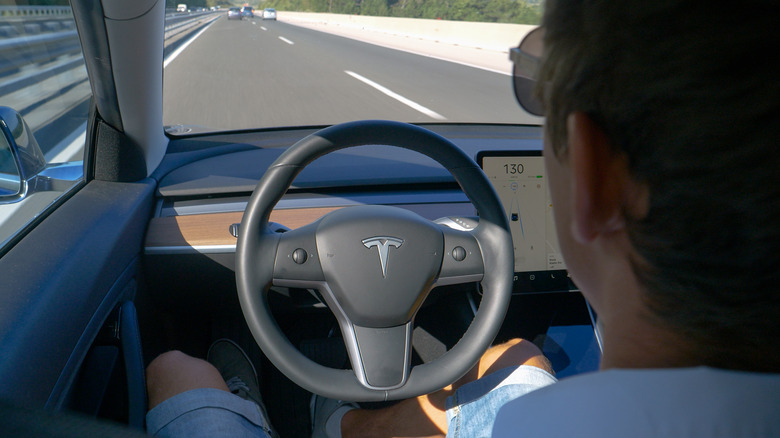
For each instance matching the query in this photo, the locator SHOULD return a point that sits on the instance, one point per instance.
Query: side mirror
(23, 168)
(21, 159)
(10, 177)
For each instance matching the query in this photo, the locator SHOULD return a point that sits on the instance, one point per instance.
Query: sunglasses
(526, 59)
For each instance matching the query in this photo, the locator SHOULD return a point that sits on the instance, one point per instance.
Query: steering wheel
(374, 266)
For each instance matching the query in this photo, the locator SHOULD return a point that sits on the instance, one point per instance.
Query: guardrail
(21, 51)
(16, 53)
(51, 11)
(35, 11)
(30, 23)
(43, 75)
(177, 21)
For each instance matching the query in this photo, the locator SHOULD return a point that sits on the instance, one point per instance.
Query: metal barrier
(19, 52)
(42, 72)
(172, 21)
(34, 11)
(22, 51)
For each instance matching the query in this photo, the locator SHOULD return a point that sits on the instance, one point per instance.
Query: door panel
(61, 281)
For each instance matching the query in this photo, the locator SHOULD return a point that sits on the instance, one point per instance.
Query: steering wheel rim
(255, 271)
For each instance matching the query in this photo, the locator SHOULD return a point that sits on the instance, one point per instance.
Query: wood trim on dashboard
(214, 228)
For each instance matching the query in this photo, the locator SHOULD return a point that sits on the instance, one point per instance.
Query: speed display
(514, 168)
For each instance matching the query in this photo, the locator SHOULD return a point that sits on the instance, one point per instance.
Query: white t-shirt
(686, 402)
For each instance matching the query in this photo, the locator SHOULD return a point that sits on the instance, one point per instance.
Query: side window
(43, 79)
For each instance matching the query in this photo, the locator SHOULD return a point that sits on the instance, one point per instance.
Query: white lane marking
(255, 23)
(181, 48)
(428, 112)
(71, 146)
(286, 40)
(262, 27)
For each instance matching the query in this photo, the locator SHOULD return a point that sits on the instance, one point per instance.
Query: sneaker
(240, 375)
(235, 367)
(326, 415)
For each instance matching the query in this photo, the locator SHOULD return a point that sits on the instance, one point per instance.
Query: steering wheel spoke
(297, 262)
(462, 259)
(380, 357)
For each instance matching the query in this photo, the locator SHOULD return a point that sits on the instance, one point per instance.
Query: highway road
(251, 73)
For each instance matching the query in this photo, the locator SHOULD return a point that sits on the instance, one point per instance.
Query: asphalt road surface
(244, 74)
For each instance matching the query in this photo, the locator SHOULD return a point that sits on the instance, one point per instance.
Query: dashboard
(201, 202)
(204, 187)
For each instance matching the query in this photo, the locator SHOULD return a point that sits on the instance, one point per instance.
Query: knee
(167, 362)
(174, 367)
(174, 372)
(515, 352)
(520, 346)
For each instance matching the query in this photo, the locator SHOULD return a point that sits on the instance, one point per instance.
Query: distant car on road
(269, 14)
(234, 14)
(247, 11)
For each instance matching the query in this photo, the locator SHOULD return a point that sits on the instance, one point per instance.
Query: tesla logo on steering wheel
(383, 244)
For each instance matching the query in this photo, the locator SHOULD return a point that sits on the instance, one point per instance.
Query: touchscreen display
(520, 181)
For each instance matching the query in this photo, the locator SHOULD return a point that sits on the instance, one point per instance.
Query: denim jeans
(472, 411)
(207, 412)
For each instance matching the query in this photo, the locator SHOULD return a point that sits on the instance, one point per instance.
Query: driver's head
(663, 123)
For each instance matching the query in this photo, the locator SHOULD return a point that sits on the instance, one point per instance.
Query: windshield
(414, 61)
